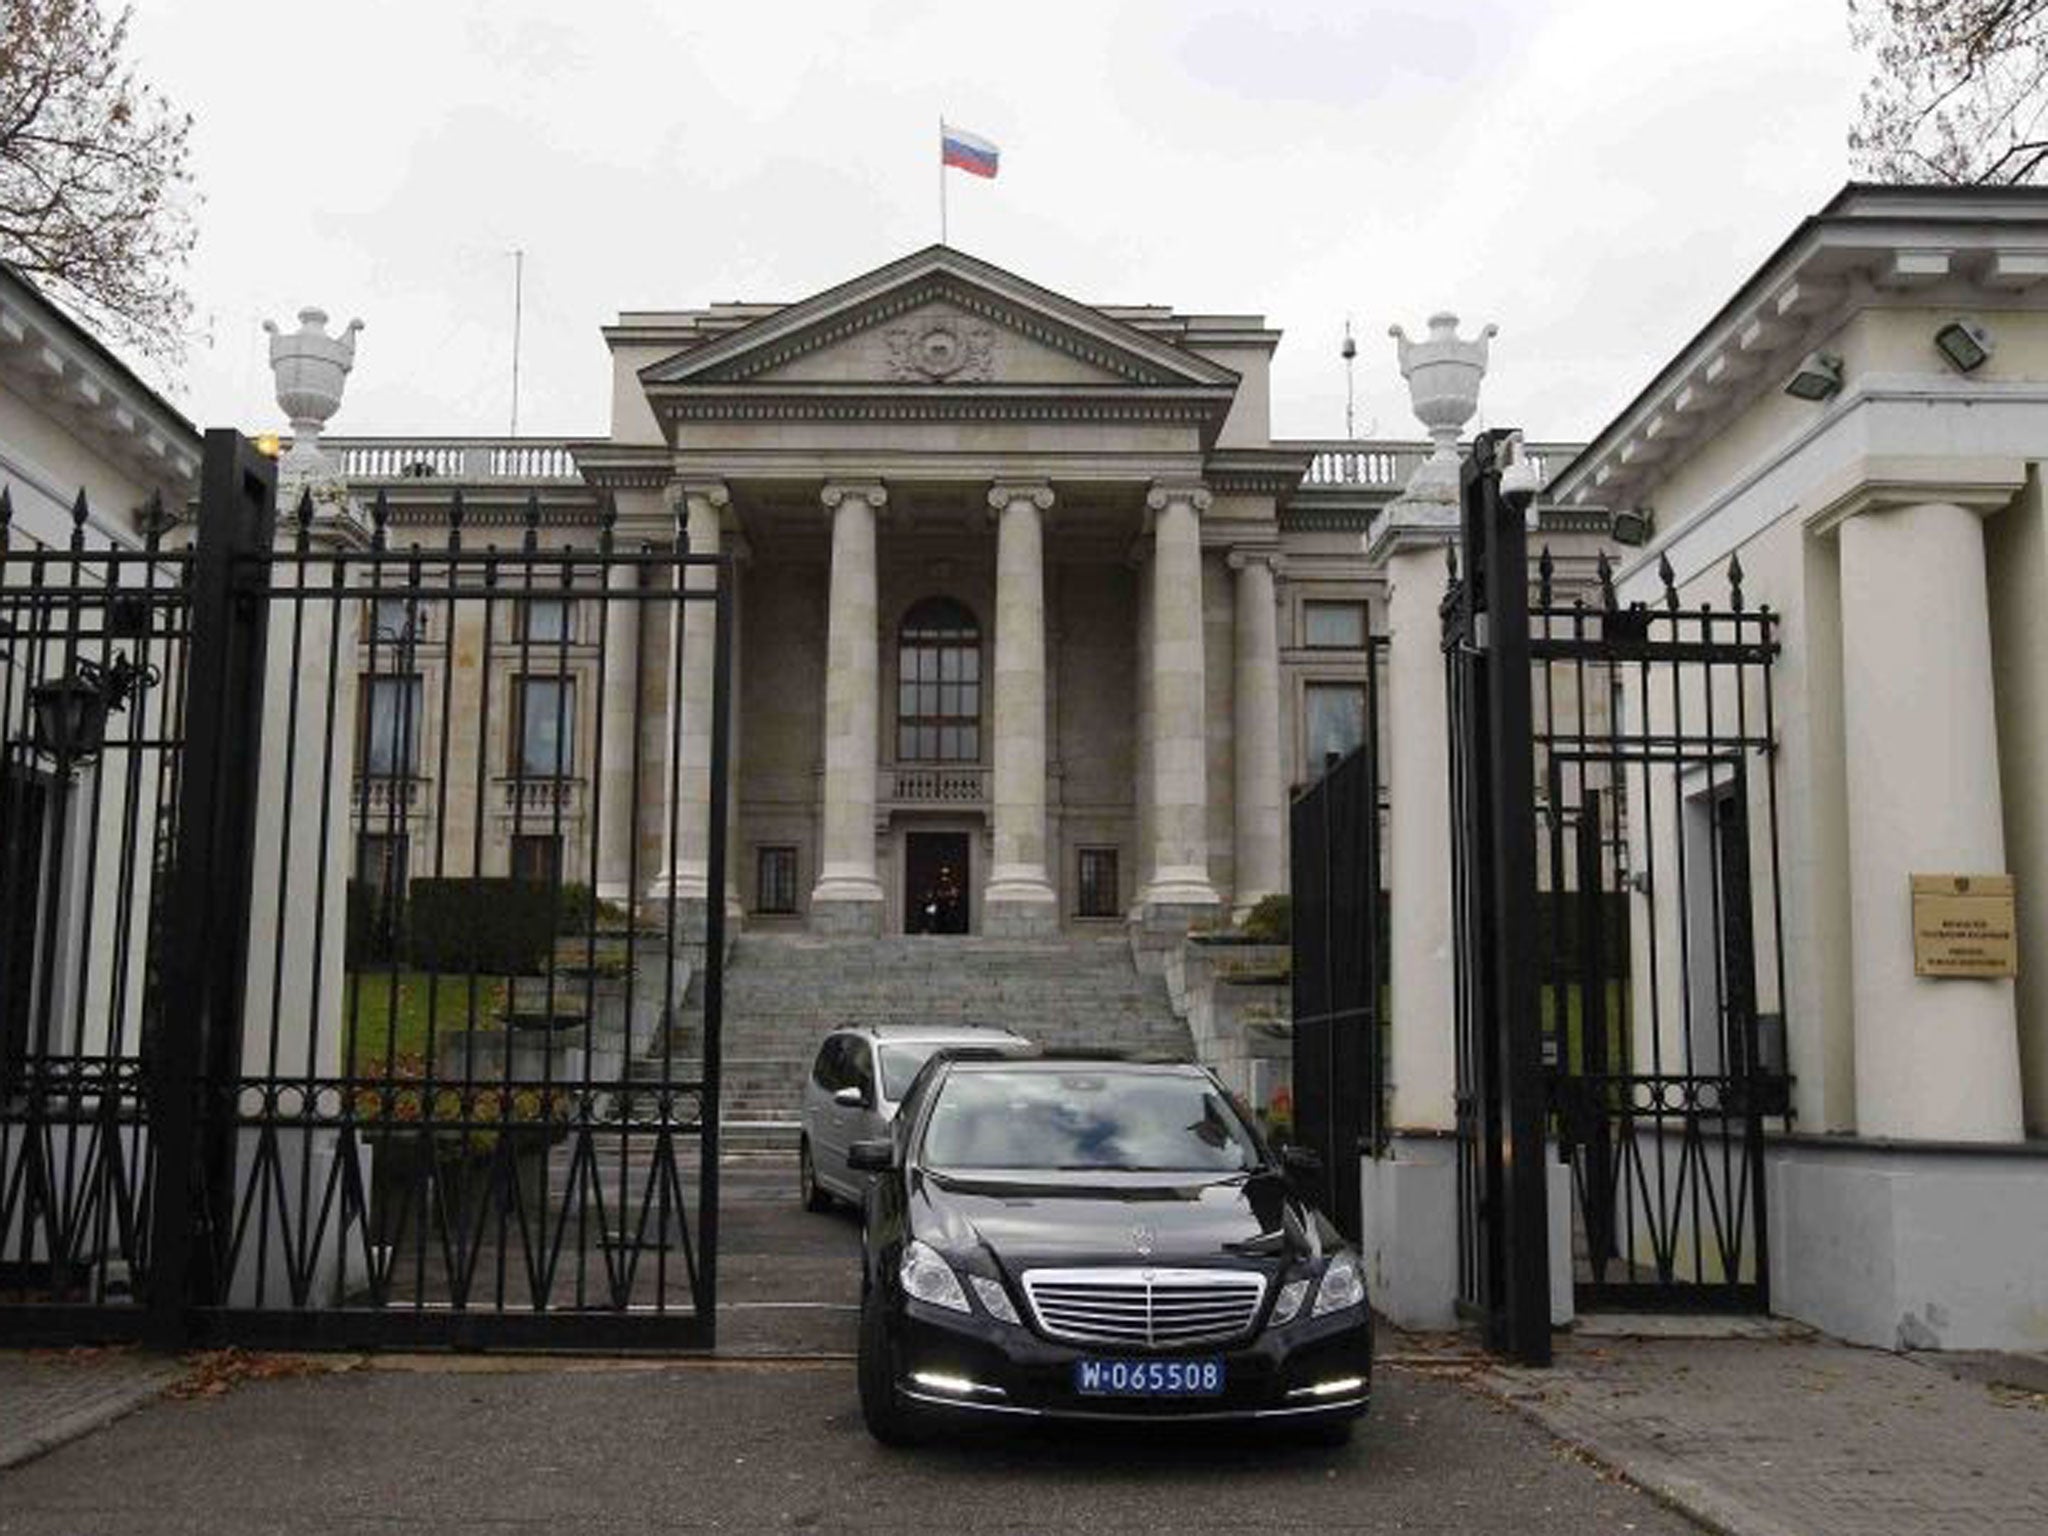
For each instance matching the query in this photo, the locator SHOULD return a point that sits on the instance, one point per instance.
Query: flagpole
(942, 179)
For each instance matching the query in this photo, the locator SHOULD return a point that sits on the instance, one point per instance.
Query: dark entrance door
(935, 882)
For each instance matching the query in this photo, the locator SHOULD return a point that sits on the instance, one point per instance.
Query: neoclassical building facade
(1037, 625)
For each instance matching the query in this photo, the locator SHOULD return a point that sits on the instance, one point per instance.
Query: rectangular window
(1333, 626)
(536, 857)
(1336, 723)
(382, 867)
(395, 621)
(391, 726)
(1099, 893)
(775, 879)
(544, 620)
(543, 726)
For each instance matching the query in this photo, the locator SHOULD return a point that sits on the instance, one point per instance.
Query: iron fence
(362, 1008)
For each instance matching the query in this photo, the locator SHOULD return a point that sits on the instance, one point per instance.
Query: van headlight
(1343, 1285)
(930, 1279)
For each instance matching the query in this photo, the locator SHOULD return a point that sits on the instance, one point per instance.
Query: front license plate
(1148, 1378)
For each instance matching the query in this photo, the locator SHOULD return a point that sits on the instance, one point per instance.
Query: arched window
(938, 684)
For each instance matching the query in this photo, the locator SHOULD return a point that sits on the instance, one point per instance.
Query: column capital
(1004, 492)
(1243, 557)
(1165, 493)
(680, 493)
(873, 492)
(1880, 483)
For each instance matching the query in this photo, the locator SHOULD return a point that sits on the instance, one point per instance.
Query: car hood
(1022, 1219)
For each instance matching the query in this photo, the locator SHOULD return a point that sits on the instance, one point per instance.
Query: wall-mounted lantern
(69, 713)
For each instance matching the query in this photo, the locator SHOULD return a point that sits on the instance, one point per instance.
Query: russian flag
(966, 151)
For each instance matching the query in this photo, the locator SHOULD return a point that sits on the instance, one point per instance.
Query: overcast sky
(1594, 176)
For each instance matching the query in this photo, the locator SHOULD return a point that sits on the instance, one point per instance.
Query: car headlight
(1343, 1285)
(995, 1301)
(1288, 1303)
(930, 1278)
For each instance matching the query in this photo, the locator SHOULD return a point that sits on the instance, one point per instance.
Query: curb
(63, 1428)
(1661, 1476)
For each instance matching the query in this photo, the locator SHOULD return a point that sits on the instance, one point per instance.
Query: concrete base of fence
(1409, 1221)
(1912, 1246)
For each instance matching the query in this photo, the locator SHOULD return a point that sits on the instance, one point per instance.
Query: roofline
(76, 330)
(1832, 214)
(793, 317)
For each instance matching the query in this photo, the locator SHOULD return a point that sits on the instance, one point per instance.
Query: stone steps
(783, 993)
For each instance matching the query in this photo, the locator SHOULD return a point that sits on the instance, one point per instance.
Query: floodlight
(1819, 376)
(1965, 344)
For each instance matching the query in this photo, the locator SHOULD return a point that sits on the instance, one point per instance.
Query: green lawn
(381, 1031)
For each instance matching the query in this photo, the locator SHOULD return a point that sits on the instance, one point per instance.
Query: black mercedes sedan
(1098, 1240)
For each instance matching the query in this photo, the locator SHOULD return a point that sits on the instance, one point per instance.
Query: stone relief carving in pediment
(939, 346)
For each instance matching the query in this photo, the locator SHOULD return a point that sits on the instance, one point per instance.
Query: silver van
(860, 1076)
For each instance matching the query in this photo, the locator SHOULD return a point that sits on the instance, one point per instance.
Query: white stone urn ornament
(1443, 375)
(310, 368)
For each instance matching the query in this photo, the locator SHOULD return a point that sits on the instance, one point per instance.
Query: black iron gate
(1620, 975)
(1339, 964)
(338, 1010)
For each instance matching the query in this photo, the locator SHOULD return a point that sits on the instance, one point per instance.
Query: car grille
(1156, 1307)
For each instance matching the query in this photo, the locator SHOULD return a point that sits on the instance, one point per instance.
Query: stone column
(1935, 1060)
(1178, 888)
(1019, 899)
(701, 505)
(1260, 821)
(1423, 1042)
(848, 896)
(618, 745)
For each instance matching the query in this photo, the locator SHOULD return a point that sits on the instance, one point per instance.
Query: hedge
(490, 924)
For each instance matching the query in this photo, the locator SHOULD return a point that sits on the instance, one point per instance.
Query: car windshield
(1103, 1119)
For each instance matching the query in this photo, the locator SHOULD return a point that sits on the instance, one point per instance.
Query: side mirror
(1306, 1161)
(851, 1097)
(871, 1156)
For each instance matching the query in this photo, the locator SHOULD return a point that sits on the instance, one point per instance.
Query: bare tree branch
(1956, 91)
(96, 197)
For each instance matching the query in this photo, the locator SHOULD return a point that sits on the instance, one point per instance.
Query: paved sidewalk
(1803, 1436)
(50, 1396)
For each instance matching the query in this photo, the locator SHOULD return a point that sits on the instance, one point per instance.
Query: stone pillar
(1260, 821)
(701, 505)
(618, 745)
(1178, 888)
(1935, 1060)
(1019, 899)
(1423, 1039)
(848, 896)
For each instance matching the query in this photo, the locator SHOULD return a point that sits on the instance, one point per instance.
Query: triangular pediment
(939, 318)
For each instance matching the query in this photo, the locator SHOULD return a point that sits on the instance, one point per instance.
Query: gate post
(191, 1059)
(1502, 542)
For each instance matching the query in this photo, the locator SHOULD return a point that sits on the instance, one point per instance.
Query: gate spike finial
(1546, 569)
(1735, 580)
(1605, 569)
(607, 521)
(6, 516)
(155, 521)
(380, 520)
(1451, 561)
(456, 513)
(79, 513)
(1670, 579)
(530, 541)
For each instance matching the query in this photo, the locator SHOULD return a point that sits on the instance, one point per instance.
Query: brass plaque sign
(1963, 926)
